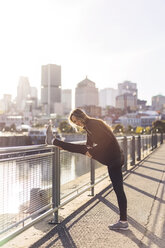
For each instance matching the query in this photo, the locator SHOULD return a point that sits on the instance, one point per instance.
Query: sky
(109, 41)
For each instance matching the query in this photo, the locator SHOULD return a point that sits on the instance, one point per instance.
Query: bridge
(83, 222)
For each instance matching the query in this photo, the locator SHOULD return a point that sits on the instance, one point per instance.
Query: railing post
(133, 150)
(139, 148)
(161, 138)
(156, 140)
(92, 174)
(55, 183)
(125, 153)
(152, 140)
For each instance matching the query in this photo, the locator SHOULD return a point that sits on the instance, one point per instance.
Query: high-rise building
(67, 100)
(50, 87)
(127, 87)
(127, 96)
(107, 97)
(34, 92)
(23, 91)
(126, 102)
(86, 94)
(158, 102)
(5, 104)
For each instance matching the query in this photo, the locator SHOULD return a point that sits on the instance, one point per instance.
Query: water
(18, 178)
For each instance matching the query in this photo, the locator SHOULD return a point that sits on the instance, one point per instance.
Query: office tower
(158, 102)
(127, 87)
(107, 97)
(5, 104)
(127, 98)
(23, 91)
(126, 102)
(86, 93)
(50, 87)
(67, 100)
(33, 92)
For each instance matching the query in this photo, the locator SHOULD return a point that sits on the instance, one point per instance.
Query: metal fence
(35, 181)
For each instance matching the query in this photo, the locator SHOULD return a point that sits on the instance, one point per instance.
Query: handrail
(135, 148)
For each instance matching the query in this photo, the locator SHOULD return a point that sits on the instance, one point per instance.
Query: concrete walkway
(88, 226)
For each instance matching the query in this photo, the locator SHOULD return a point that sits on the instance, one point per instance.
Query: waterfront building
(7, 120)
(141, 118)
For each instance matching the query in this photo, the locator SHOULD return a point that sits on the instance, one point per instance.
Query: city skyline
(109, 41)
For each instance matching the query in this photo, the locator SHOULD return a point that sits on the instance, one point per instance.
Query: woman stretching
(102, 146)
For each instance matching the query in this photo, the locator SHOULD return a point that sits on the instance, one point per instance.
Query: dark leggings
(70, 147)
(116, 176)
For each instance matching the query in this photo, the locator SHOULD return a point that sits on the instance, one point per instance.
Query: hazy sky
(108, 40)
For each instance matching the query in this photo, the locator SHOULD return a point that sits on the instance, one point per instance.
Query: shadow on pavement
(62, 230)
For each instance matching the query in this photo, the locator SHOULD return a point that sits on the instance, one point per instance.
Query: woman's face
(77, 121)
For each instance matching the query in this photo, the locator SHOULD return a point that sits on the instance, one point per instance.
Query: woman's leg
(70, 147)
(115, 174)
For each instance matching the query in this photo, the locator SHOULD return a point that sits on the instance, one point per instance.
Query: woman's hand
(60, 148)
(88, 154)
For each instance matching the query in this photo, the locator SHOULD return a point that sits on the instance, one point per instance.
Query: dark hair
(79, 114)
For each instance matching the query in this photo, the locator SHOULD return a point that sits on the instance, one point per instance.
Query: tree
(118, 128)
(130, 129)
(148, 130)
(139, 130)
(65, 127)
(158, 126)
(13, 127)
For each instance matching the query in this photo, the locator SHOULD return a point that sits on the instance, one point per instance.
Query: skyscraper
(107, 97)
(67, 100)
(23, 91)
(86, 94)
(50, 87)
(127, 98)
(158, 102)
(127, 87)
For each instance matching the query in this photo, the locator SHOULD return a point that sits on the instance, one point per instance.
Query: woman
(102, 146)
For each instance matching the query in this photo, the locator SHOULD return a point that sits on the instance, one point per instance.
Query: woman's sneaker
(119, 226)
(49, 135)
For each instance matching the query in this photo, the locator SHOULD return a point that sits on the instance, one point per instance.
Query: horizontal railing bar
(22, 148)
(74, 191)
(27, 157)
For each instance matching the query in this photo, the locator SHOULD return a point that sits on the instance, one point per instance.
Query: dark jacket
(101, 143)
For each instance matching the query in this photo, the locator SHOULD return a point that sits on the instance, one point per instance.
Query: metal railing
(36, 181)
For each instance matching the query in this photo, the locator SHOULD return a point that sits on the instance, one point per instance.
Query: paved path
(88, 227)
